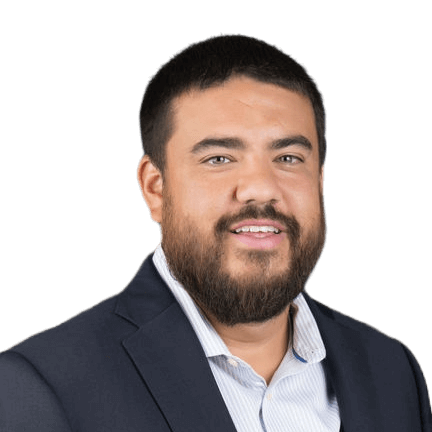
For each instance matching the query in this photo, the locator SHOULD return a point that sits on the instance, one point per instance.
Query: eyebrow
(238, 144)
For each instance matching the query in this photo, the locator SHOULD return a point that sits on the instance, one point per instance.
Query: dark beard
(197, 265)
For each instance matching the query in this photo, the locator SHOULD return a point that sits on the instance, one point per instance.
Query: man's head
(211, 63)
(240, 196)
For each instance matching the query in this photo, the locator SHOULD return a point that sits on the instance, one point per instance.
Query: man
(215, 332)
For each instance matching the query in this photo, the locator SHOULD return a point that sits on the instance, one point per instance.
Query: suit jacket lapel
(349, 372)
(173, 365)
(170, 358)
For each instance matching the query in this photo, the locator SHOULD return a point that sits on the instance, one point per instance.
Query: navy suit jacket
(134, 363)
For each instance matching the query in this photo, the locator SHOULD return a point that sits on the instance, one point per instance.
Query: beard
(197, 263)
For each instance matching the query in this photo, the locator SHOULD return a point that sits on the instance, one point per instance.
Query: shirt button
(232, 362)
(269, 396)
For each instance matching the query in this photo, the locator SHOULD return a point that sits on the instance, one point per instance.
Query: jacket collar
(177, 373)
(348, 370)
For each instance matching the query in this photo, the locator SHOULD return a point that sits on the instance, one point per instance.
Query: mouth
(259, 234)
(257, 229)
(258, 225)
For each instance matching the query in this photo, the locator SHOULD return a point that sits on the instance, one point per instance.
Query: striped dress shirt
(298, 398)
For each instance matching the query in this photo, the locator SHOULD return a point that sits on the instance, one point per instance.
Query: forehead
(244, 108)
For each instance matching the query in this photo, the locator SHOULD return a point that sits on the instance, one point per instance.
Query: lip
(266, 240)
(258, 222)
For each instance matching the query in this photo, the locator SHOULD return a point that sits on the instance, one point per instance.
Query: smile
(256, 229)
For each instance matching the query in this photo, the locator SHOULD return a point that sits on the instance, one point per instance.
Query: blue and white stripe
(297, 399)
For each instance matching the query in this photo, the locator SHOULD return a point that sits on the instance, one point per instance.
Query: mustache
(289, 222)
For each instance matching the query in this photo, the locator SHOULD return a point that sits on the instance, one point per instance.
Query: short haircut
(209, 63)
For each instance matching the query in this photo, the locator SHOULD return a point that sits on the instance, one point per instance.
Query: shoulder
(90, 328)
(323, 312)
(383, 353)
(356, 349)
(35, 374)
(340, 332)
(93, 340)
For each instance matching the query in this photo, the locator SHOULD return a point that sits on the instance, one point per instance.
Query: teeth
(254, 228)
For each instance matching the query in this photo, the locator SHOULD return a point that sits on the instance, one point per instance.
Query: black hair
(210, 63)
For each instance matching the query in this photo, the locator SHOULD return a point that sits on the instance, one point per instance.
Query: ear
(150, 180)
(321, 180)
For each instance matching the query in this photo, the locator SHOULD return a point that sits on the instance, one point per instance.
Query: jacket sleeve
(27, 403)
(422, 392)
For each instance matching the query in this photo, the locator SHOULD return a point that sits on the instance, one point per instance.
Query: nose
(257, 184)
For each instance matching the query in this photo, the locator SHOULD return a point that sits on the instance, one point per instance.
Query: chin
(245, 263)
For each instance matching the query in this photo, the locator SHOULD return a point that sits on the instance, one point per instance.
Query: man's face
(242, 213)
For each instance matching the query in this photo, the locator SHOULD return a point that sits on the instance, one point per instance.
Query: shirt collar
(307, 344)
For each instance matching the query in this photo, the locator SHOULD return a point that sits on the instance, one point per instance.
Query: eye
(289, 159)
(217, 160)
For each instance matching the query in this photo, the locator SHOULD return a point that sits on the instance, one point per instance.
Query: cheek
(199, 200)
(312, 211)
(302, 200)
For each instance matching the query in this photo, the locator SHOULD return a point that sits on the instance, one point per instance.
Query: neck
(261, 345)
